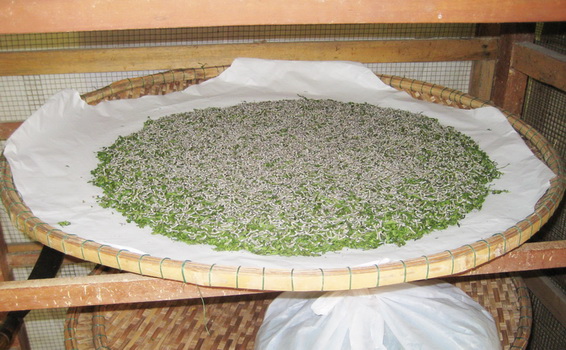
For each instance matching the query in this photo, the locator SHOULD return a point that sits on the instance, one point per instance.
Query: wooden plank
(21, 340)
(128, 288)
(540, 63)
(483, 72)
(173, 57)
(22, 254)
(15, 248)
(7, 128)
(155, 58)
(5, 269)
(481, 79)
(100, 290)
(549, 295)
(29, 16)
(529, 256)
(509, 85)
(514, 96)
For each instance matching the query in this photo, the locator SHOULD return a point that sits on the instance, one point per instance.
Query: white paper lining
(52, 153)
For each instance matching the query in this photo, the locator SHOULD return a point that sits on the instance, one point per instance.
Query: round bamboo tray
(440, 264)
(233, 322)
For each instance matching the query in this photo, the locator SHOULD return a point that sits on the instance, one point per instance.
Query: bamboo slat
(436, 265)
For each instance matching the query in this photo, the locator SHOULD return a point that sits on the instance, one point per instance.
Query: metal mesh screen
(545, 110)
(546, 332)
(455, 75)
(20, 96)
(231, 34)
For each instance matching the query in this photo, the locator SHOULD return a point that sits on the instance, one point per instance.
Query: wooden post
(21, 341)
(548, 293)
(5, 270)
(510, 84)
(481, 76)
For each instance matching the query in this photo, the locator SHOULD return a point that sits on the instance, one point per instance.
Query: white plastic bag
(421, 315)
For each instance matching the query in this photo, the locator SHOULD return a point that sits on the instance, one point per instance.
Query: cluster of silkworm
(294, 177)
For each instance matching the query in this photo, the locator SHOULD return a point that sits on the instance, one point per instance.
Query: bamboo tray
(233, 322)
(440, 264)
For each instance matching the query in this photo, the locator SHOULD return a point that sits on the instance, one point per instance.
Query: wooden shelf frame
(130, 288)
(26, 16)
(23, 295)
(189, 56)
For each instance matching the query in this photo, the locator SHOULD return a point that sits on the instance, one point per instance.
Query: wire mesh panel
(21, 95)
(546, 332)
(545, 110)
(455, 75)
(231, 34)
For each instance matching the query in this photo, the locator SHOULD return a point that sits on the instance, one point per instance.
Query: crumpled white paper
(52, 153)
(421, 315)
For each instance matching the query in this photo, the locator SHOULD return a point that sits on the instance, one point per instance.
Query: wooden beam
(540, 63)
(5, 268)
(483, 71)
(156, 58)
(529, 256)
(549, 295)
(29, 16)
(21, 340)
(129, 288)
(7, 128)
(22, 254)
(481, 79)
(27, 247)
(173, 57)
(100, 290)
(509, 85)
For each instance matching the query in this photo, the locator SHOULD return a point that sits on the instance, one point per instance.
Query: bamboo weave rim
(440, 264)
(233, 322)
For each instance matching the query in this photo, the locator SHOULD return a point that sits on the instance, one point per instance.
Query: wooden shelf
(27, 16)
(480, 49)
(130, 288)
(187, 56)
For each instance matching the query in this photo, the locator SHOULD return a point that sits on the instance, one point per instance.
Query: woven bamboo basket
(443, 263)
(233, 322)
